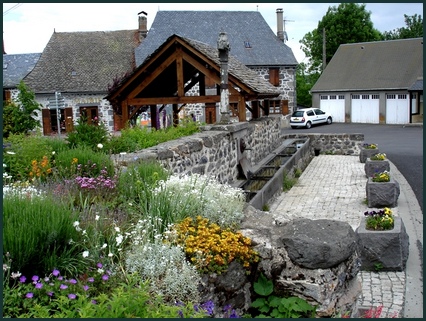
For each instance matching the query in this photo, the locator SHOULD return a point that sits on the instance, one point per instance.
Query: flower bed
(367, 150)
(382, 193)
(383, 250)
(373, 166)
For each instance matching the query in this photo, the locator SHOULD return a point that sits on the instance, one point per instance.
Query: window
(355, 96)
(375, 96)
(341, 97)
(332, 96)
(310, 113)
(392, 96)
(322, 97)
(274, 76)
(247, 44)
(365, 96)
(404, 96)
(274, 107)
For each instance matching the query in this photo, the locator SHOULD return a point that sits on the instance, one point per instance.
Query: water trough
(266, 179)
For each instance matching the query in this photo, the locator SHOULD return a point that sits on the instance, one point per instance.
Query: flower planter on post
(383, 250)
(382, 194)
(365, 153)
(375, 166)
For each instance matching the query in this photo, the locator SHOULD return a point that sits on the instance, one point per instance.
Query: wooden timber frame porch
(177, 66)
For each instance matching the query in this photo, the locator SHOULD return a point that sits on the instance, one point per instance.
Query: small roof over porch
(173, 69)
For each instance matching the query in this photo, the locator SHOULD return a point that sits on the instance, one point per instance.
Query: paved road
(403, 145)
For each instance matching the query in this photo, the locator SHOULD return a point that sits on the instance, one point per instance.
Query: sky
(27, 27)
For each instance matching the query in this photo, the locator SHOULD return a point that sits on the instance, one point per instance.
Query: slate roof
(380, 65)
(205, 26)
(237, 69)
(16, 67)
(417, 86)
(83, 61)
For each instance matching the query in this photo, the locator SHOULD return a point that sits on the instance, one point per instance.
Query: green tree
(304, 82)
(413, 29)
(345, 23)
(18, 117)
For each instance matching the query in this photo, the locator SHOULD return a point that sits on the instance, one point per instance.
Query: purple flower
(71, 296)
(105, 277)
(99, 265)
(73, 281)
(209, 307)
(39, 285)
(29, 295)
(60, 278)
(22, 279)
(63, 287)
(55, 272)
(91, 280)
(49, 293)
(85, 287)
(94, 302)
(35, 278)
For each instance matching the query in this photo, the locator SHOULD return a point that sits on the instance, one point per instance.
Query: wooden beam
(147, 80)
(242, 116)
(179, 100)
(179, 72)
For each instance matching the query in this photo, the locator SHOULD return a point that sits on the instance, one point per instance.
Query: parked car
(306, 117)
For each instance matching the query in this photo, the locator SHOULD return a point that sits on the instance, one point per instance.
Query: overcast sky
(27, 27)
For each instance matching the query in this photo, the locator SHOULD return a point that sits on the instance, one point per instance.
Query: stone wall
(215, 150)
(335, 144)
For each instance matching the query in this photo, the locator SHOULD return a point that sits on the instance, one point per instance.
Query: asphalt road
(403, 145)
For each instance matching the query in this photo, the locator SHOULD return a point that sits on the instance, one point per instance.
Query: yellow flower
(74, 161)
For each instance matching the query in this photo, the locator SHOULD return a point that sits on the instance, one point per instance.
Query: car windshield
(297, 113)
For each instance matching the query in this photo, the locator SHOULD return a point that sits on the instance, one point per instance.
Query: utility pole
(323, 50)
(58, 113)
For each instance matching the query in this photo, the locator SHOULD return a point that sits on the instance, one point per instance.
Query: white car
(306, 117)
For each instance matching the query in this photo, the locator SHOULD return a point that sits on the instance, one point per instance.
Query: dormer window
(247, 44)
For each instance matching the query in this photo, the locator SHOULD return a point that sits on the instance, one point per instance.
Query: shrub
(21, 151)
(82, 161)
(193, 195)
(88, 133)
(169, 273)
(37, 231)
(210, 248)
(20, 117)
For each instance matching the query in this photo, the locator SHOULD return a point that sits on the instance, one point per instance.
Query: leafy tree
(346, 23)
(414, 29)
(18, 117)
(304, 82)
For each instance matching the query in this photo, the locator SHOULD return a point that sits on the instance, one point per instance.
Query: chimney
(143, 29)
(280, 24)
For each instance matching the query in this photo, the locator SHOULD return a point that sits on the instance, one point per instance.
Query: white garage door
(335, 105)
(365, 109)
(397, 109)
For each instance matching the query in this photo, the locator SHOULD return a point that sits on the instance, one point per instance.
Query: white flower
(104, 246)
(76, 223)
(100, 146)
(4, 165)
(97, 218)
(100, 271)
(85, 253)
(15, 275)
(53, 153)
(119, 239)
(84, 232)
(11, 153)
(110, 254)
(117, 229)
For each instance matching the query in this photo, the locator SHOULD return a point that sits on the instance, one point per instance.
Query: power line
(10, 9)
